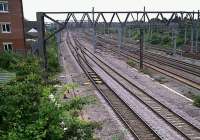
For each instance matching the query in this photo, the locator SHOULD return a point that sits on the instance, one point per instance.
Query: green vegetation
(161, 80)
(179, 41)
(131, 63)
(146, 71)
(52, 51)
(159, 36)
(155, 39)
(197, 101)
(118, 136)
(29, 107)
(136, 35)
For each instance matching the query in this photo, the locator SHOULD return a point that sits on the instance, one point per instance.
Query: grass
(146, 71)
(161, 80)
(119, 136)
(131, 63)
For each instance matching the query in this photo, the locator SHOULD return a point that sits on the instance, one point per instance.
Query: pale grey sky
(33, 6)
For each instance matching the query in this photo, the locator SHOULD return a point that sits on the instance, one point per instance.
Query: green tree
(28, 113)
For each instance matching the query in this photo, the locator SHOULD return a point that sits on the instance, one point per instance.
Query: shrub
(156, 38)
(8, 59)
(136, 35)
(27, 112)
(53, 59)
(197, 101)
(22, 65)
(179, 41)
(166, 40)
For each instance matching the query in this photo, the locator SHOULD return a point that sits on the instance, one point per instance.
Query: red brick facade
(14, 16)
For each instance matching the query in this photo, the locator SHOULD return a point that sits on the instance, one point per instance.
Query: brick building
(12, 26)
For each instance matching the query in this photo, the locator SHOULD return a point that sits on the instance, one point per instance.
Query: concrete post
(104, 29)
(120, 36)
(185, 36)
(174, 34)
(192, 38)
(129, 32)
(141, 47)
(197, 36)
(94, 30)
(149, 32)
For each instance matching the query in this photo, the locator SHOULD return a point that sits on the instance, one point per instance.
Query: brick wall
(15, 17)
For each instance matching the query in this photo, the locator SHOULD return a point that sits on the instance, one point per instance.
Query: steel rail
(191, 69)
(127, 45)
(166, 72)
(162, 105)
(154, 134)
(182, 79)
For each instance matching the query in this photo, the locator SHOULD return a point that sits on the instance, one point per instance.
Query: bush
(8, 59)
(53, 59)
(166, 40)
(166, 46)
(197, 101)
(179, 41)
(22, 65)
(156, 39)
(28, 113)
(136, 35)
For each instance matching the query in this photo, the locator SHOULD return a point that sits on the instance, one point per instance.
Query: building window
(8, 46)
(3, 6)
(6, 27)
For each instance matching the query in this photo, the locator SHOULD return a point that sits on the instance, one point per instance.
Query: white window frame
(5, 23)
(4, 11)
(6, 44)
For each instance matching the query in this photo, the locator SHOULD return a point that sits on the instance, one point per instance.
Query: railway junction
(99, 75)
(148, 92)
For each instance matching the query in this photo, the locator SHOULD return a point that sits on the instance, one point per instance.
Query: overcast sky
(33, 6)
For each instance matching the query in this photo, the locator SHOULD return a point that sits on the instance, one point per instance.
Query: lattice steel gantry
(137, 19)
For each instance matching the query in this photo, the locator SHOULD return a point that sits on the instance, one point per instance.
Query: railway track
(160, 66)
(178, 76)
(180, 65)
(138, 127)
(179, 124)
(171, 62)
